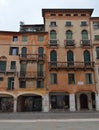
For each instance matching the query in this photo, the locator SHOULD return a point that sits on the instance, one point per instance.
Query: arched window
(86, 57)
(70, 58)
(53, 56)
(84, 35)
(68, 35)
(40, 51)
(53, 34)
(24, 51)
(97, 52)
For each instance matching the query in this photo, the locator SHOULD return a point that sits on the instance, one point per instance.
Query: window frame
(71, 80)
(53, 78)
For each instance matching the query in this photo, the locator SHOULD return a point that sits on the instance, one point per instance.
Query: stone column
(15, 105)
(97, 102)
(72, 102)
(45, 103)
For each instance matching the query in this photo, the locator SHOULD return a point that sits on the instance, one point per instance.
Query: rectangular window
(40, 84)
(53, 24)
(1, 78)
(10, 83)
(71, 79)
(22, 84)
(52, 14)
(13, 65)
(68, 14)
(15, 38)
(75, 14)
(13, 50)
(83, 23)
(40, 38)
(24, 38)
(60, 14)
(96, 25)
(68, 23)
(97, 37)
(53, 78)
(83, 14)
(88, 78)
(2, 66)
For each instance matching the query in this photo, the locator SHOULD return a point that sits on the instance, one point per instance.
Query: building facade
(51, 66)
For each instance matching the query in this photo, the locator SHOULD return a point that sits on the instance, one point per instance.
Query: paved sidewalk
(49, 115)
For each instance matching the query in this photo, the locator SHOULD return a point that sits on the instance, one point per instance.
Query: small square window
(97, 37)
(24, 38)
(53, 24)
(40, 38)
(1, 78)
(96, 25)
(68, 23)
(13, 51)
(15, 38)
(83, 23)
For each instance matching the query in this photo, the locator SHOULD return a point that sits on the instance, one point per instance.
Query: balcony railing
(31, 75)
(69, 43)
(71, 65)
(32, 57)
(53, 43)
(85, 43)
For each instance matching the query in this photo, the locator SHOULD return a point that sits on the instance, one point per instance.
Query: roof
(53, 10)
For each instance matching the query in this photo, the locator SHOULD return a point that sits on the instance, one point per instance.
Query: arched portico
(6, 102)
(29, 102)
(85, 100)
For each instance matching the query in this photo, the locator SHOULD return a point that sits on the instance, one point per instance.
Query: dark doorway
(83, 101)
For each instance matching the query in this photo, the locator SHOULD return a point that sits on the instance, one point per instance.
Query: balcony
(31, 75)
(53, 43)
(32, 57)
(71, 65)
(69, 43)
(85, 44)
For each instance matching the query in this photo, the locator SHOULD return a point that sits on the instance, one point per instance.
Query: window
(83, 23)
(24, 51)
(75, 14)
(24, 38)
(86, 57)
(53, 78)
(68, 35)
(15, 38)
(40, 69)
(52, 14)
(68, 14)
(40, 84)
(53, 34)
(97, 52)
(2, 66)
(71, 79)
(1, 78)
(22, 84)
(70, 57)
(53, 56)
(83, 14)
(68, 23)
(84, 35)
(88, 78)
(10, 83)
(40, 38)
(53, 24)
(13, 65)
(96, 25)
(97, 37)
(60, 14)
(13, 50)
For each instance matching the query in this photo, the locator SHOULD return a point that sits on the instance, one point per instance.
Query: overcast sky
(30, 11)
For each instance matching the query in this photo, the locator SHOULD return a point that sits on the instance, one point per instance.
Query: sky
(30, 11)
